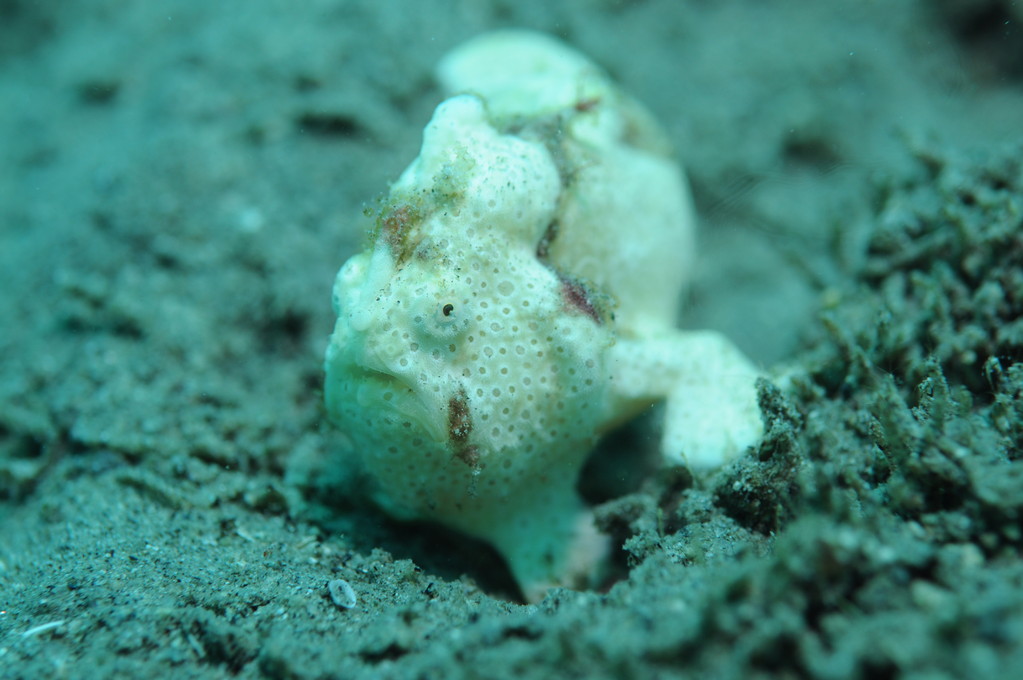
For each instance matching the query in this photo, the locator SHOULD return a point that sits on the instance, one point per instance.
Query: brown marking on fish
(577, 297)
(396, 227)
(459, 429)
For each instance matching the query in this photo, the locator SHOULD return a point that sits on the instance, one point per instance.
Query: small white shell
(342, 594)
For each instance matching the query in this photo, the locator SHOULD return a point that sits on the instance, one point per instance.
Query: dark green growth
(879, 525)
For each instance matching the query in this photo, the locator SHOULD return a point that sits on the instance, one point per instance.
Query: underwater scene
(489, 339)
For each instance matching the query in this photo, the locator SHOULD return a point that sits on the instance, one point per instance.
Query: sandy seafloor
(179, 182)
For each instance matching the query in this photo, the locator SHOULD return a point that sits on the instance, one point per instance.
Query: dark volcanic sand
(179, 182)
